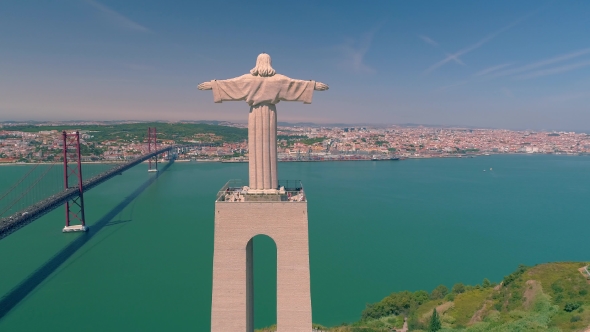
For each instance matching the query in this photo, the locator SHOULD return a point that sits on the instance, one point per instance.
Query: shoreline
(299, 161)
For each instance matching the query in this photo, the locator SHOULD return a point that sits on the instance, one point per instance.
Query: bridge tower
(73, 169)
(152, 137)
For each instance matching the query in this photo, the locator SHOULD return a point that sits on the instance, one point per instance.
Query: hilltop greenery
(546, 297)
(137, 131)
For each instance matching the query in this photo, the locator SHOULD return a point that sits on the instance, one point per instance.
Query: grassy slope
(506, 308)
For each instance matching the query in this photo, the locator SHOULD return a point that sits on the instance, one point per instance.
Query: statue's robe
(262, 94)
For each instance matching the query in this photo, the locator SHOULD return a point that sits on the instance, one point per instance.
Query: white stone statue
(262, 89)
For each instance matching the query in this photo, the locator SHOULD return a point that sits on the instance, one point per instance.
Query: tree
(421, 296)
(439, 292)
(486, 283)
(434, 324)
(458, 288)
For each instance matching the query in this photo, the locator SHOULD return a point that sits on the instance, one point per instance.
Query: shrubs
(421, 296)
(439, 292)
(458, 288)
(571, 306)
(514, 275)
(405, 303)
(394, 304)
(557, 287)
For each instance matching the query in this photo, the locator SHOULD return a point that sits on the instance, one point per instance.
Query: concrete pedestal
(236, 223)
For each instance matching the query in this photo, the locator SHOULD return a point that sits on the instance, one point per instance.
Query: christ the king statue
(262, 89)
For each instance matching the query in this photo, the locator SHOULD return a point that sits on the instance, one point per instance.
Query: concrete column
(250, 286)
(235, 225)
(259, 149)
(293, 285)
(252, 148)
(266, 175)
(273, 147)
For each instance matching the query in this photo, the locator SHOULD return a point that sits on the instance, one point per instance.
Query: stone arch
(237, 223)
(265, 241)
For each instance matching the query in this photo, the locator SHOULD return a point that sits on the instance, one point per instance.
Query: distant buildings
(302, 143)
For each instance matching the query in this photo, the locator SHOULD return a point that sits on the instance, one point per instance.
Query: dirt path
(405, 327)
(441, 309)
(584, 271)
(533, 288)
(478, 315)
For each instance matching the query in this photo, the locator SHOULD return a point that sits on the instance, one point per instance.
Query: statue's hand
(321, 86)
(206, 86)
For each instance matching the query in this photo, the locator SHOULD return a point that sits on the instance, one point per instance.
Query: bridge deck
(24, 217)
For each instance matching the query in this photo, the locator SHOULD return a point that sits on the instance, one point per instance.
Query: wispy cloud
(479, 44)
(554, 71)
(491, 69)
(543, 63)
(528, 71)
(428, 40)
(455, 58)
(116, 17)
(354, 51)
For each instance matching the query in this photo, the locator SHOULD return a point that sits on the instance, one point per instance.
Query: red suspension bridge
(38, 191)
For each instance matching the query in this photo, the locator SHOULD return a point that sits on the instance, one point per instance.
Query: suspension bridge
(38, 191)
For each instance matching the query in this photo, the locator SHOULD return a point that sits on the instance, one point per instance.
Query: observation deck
(234, 191)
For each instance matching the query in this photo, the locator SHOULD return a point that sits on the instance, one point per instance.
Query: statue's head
(263, 66)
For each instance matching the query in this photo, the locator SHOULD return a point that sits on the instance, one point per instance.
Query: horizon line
(333, 124)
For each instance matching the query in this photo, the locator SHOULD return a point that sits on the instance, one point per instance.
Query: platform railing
(238, 191)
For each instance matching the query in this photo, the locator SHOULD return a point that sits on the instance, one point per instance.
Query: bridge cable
(19, 182)
(27, 190)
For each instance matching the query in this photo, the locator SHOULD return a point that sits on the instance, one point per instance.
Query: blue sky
(503, 64)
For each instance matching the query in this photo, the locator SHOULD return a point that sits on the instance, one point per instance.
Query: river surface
(374, 228)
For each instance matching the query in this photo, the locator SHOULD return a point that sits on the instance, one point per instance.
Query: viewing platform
(235, 191)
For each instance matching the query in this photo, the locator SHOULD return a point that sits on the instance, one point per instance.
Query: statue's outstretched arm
(205, 86)
(319, 86)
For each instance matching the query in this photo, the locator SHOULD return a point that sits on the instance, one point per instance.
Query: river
(374, 228)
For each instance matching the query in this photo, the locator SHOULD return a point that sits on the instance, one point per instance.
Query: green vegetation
(434, 324)
(137, 131)
(90, 149)
(290, 137)
(312, 141)
(547, 297)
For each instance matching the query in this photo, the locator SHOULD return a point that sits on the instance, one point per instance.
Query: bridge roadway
(24, 217)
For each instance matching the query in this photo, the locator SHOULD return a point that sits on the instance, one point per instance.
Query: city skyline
(502, 65)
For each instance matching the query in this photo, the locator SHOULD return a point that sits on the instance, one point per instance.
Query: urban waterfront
(375, 228)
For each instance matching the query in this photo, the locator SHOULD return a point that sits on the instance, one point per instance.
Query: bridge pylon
(152, 137)
(73, 169)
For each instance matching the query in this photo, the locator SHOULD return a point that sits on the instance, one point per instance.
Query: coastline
(320, 160)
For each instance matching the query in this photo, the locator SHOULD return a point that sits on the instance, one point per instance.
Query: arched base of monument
(236, 222)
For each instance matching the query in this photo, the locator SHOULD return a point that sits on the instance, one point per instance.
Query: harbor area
(237, 191)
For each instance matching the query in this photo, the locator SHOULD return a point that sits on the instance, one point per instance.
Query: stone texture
(235, 225)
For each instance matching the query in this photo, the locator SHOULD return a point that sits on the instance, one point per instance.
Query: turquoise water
(375, 228)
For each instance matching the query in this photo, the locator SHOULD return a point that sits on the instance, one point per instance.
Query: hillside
(546, 297)
(137, 131)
